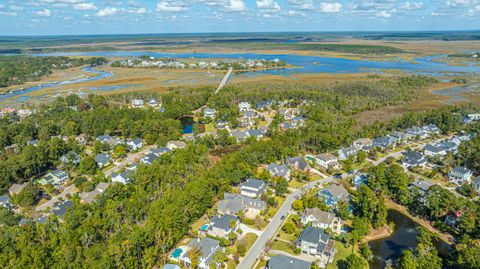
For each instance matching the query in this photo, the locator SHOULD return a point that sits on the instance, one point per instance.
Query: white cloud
(108, 11)
(16, 8)
(170, 6)
(235, 6)
(301, 4)
(62, 1)
(411, 5)
(44, 13)
(85, 6)
(383, 14)
(460, 3)
(141, 11)
(8, 14)
(326, 7)
(268, 5)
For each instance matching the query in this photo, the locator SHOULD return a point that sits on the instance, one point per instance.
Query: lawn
(341, 254)
(261, 264)
(296, 184)
(283, 246)
(249, 239)
(209, 127)
(231, 264)
(273, 210)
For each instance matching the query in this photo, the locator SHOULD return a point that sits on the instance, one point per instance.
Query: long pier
(224, 80)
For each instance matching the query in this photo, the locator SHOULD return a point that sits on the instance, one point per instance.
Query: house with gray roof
(102, 159)
(476, 184)
(149, 158)
(255, 133)
(123, 177)
(70, 157)
(279, 170)
(60, 209)
(209, 113)
(297, 163)
(321, 219)
(159, 151)
(345, 153)
(421, 187)
(414, 159)
(286, 125)
(333, 193)
(107, 139)
(234, 203)
(384, 142)
(460, 175)
(6, 202)
(431, 129)
(207, 248)
(264, 104)
(176, 144)
(364, 144)
(135, 144)
(252, 187)
(415, 132)
(221, 226)
(240, 135)
(315, 242)
(287, 262)
(400, 137)
(433, 150)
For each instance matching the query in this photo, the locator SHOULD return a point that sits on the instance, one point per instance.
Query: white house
(460, 175)
(137, 103)
(321, 219)
(244, 106)
(327, 161)
(209, 113)
(252, 187)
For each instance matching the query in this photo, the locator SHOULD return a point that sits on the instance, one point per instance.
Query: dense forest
(16, 70)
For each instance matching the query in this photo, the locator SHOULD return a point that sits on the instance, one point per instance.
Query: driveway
(245, 229)
(68, 190)
(131, 157)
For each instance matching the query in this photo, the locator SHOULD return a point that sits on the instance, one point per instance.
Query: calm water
(99, 75)
(305, 64)
(404, 237)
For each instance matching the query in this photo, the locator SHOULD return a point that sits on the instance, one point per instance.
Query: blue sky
(49, 17)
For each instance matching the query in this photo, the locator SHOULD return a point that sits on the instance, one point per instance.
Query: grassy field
(283, 246)
(342, 253)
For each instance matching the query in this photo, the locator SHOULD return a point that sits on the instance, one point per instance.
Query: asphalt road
(254, 253)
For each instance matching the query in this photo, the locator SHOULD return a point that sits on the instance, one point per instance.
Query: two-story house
(252, 187)
(221, 226)
(321, 219)
(460, 175)
(332, 194)
(315, 242)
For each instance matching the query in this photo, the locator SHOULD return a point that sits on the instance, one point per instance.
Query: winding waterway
(99, 74)
(303, 64)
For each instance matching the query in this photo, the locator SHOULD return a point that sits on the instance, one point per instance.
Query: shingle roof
(424, 185)
(337, 190)
(285, 262)
(314, 235)
(278, 170)
(320, 216)
(253, 183)
(233, 203)
(223, 221)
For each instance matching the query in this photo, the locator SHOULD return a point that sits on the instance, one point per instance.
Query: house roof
(314, 235)
(319, 215)
(61, 209)
(435, 148)
(285, 262)
(255, 132)
(223, 221)
(102, 186)
(299, 161)
(424, 185)
(233, 203)
(102, 158)
(253, 183)
(278, 170)
(326, 157)
(160, 151)
(413, 156)
(149, 158)
(460, 170)
(207, 247)
(336, 190)
(16, 188)
(4, 199)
